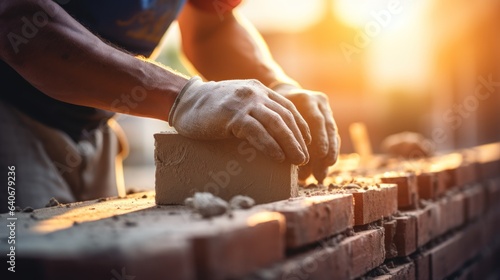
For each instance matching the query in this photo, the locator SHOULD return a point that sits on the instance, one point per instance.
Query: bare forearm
(67, 62)
(227, 49)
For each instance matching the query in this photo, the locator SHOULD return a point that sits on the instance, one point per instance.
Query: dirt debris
(129, 223)
(241, 202)
(28, 209)
(208, 205)
(52, 202)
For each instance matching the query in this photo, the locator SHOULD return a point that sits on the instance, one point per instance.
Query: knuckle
(275, 120)
(244, 92)
(317, 117)
(288, 116)
(321, 96)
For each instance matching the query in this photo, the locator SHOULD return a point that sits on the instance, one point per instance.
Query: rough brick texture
(407, 189)
(406, 235)
(374, 204)
(311, 219)
(91, 239)
(225, 168)
(401, 272)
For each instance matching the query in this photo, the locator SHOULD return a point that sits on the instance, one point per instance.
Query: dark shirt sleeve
(216, 7)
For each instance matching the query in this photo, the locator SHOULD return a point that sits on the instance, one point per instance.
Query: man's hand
(324, 148)
(245, 109)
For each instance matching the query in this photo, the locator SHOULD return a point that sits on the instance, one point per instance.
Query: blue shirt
(134, 25)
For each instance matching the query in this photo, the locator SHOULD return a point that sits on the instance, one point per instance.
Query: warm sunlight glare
(283, 15)
(87, 213)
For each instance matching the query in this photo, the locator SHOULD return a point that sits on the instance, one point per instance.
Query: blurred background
(431, 67)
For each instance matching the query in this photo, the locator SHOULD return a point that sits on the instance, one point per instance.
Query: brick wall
(437, 218)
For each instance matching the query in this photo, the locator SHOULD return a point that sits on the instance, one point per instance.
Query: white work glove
(245, 109)
(315, 108)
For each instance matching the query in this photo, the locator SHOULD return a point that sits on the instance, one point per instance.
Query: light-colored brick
(224, 167)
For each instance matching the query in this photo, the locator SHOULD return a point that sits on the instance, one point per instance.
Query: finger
(289, 121)
(319, 170)
(304, 172)
(320, 141)
(301, 123)
(252, 130)
(276, 127)
(332, 138)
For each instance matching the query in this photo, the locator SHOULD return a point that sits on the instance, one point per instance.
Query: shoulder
(215, 6)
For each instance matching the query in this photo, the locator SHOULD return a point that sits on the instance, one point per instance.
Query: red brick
(465, 174)
(450, 255)
(151, 258)
(428, 223)
(407, 189)
(466, 273)
(493, 194)
(310, 219)
(401, 272)
(487, 264)
(473, 240)
(491, 225)
(452, 212)
(488, 158)
(324, 262)
(446, 258)
(427, 185)
(350, 259)
(231, 254)
(446, 167)
(389, 233)
(446, 180)
(92, 238)
(366, 250)
(489, 170)
(475, 202)
(423, 266)
(374, 204)
(406, 235)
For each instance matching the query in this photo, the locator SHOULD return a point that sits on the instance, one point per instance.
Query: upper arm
(218, 7)
(200, 18)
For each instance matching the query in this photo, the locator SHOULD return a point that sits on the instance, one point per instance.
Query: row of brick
(455, 199)
(293, 239)
(464, 236)
(472, 217)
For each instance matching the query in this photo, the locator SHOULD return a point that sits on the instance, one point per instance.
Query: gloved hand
(245, 109)
(325, 145)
